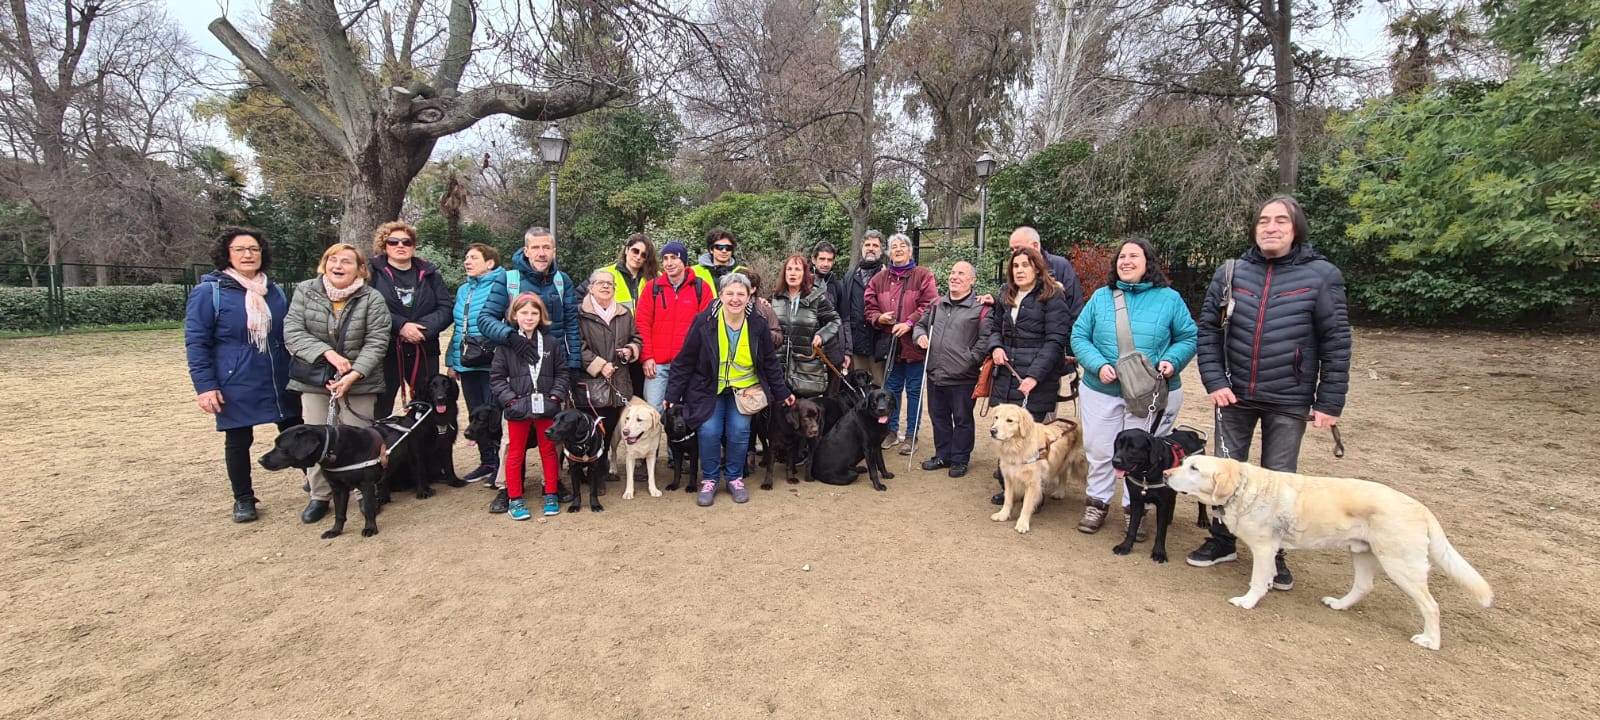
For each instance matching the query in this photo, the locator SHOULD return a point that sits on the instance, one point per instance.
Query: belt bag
(1143, 387)
(750, 400)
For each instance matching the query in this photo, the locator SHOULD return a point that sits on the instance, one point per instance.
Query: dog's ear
(1025, 423)
(303, 443)
(1190, 441)
(1225, 476)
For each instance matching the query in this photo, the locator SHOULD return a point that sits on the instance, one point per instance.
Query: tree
(389, 100)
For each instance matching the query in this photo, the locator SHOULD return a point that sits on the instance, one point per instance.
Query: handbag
(476, 351)
(750, 400)
(985, 386)
(320, 372)
(600, 392)
(1143, 387)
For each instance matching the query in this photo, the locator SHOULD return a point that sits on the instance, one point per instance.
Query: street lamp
(985, 169)
(553, 151)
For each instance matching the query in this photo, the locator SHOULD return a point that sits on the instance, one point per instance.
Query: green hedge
(25, 308)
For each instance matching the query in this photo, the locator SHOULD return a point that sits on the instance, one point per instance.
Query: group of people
(706, 336)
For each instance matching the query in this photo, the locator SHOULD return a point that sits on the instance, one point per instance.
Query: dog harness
(598, 425)
(382, 453)
(1177, 459)
(1044, 452)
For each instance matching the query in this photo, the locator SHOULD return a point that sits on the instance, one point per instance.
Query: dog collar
(586, 458)
(1144, 485)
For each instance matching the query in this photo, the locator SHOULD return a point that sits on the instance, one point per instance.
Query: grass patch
(88, 329)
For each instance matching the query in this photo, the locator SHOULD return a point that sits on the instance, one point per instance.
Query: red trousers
(517, 452)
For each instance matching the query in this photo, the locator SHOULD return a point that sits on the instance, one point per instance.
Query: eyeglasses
(399, 240)
(246, 250)
(636, 250)
(724, 248)
(604, 283)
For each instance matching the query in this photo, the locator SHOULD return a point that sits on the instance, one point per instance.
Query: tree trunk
(867, 157)
(1283, 96)
(377, 191)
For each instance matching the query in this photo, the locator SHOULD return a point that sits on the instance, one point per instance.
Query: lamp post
(553, 151)
(985, 169)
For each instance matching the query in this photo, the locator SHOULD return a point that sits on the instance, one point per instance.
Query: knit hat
(675, 248)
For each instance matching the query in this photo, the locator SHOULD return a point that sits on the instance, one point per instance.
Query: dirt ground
(128, 593)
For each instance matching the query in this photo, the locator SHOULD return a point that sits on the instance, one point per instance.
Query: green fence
(40, 297)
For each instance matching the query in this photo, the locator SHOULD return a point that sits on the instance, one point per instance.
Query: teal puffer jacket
(1161, 325)
(473, 301)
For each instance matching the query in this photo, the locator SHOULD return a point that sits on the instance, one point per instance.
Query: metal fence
(55, 297)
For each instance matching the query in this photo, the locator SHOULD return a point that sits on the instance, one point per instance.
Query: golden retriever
(640, 437)
(1035, 459)
(1379, 525)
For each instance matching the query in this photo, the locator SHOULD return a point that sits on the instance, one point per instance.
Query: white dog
(641, 434)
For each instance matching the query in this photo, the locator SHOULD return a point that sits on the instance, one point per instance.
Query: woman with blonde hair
(339, 327)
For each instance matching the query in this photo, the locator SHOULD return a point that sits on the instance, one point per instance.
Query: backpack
(656, 293)
(216, 298)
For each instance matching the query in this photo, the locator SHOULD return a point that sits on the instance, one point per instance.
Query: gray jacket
(310, 327)
(957, 344)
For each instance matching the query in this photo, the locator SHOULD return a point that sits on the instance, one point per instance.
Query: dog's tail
(1444, 556)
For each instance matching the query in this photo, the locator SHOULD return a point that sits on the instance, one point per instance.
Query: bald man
(1060, 268)
(951, 333)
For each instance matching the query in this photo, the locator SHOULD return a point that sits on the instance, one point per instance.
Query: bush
(27, 308)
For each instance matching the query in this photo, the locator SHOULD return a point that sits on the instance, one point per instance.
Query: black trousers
(950, 411)
(1280, 441)
(236, 456)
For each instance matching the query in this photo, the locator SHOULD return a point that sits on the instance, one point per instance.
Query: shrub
(28, 308)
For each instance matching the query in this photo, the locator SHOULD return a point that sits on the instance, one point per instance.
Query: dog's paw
(628, 494)
(1023, 527)
(1159, 556)
(880, 487)
(656, 493)
(597, 507)
(1122, 549)
(766, 484)
(794, 481)
(1203, 524)
(1244, 601)
(574, 508)
(455, 482)
(1422, 639)
(1000, 516)
(1336, 603)
(369, 532)
(425, 493)
(330, 534)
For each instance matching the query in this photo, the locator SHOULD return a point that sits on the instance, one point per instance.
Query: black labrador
(404, 434)
(351, 459)
(484, 425)
(584, 443)
(1140, 460)
(857, 437)
(438, 436)
(685, 442)
(786, 430)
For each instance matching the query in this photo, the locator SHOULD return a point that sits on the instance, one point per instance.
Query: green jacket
(310, 328)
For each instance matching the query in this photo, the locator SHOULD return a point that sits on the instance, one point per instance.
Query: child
(529, 379)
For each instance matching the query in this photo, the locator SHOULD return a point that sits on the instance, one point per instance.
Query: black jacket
(432, 306)
(1289, 336)
(853, 310)
(511, 376)
(693, 381)
(1035, 344)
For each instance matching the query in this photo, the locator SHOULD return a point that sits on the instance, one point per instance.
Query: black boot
(315, 510)
(500, 503)
(999, 497)
(244, 510)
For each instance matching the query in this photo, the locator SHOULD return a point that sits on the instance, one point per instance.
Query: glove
(522, 345)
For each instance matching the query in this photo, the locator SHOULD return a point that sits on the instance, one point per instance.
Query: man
(718, 259)
(1060, 268)
(951, 332)
(822, 257)
(666, 307)
(853, 308)
(1285, 349)
(536, 271)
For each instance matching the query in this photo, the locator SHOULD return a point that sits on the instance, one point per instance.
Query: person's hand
(901, 329)
(1323, 420)
(339, 386)
(844, 366)
(922, 342)
(210, 401)
(1108, 374)
(999, 356)
(340, 365)
(453, 374)
(789, 401)
(1027, 385)
(650, 369)
(521, 344)
(1165, 368)
(986, 299)
(816, 341)
(607, 371)
(412, 333)
(625, 354)
(886, 319)
(1224, 397)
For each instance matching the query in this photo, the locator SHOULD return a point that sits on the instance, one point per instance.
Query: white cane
(912, 457)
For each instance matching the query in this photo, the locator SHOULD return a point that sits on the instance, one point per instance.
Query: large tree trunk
(378, 186)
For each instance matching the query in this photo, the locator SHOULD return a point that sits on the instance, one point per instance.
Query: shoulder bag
(1143, 387)
(320, 372)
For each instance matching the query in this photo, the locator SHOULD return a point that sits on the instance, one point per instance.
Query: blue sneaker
(519, 509)
(551, 507)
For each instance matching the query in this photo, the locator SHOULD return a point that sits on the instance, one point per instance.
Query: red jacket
(664, 314)
(907, 297)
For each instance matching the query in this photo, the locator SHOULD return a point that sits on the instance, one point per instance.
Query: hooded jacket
(560, 298)
(1158, 320)
(803, 319)
(1035, 344)
(906, 296)
(664, 314)
(957, 341)
(475, 300)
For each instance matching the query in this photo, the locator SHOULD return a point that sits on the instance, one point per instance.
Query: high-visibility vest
(624, 295)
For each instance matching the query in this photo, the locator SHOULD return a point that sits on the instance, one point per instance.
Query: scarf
(258, 317)
(902, 270)
(337, 295)
(606, 313)
(871, 266)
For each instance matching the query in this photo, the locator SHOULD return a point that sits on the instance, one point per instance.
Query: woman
(233, 336)
(1161, 328)
(895, 300)
(474, 301)
(727, 350)
(1028, 335)
(338, 319)
(808, 320)
(634, 269)
(419, 307)
(529, 379)
(610, 343)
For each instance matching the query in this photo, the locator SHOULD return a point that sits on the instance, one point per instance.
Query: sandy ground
(127, 593)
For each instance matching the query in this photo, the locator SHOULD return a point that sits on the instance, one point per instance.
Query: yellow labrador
(640, 437)
(1379, 525)
(1035, 459)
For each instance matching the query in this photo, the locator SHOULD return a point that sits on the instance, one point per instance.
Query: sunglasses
(636, 250)
(397, 241)
(724, 248)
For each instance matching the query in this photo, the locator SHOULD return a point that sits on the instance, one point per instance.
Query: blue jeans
(905, 376)
(726, 422)
(655, 389)
(475, 388)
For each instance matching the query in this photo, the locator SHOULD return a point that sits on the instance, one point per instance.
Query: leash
(1338, 439)
(1044, 452)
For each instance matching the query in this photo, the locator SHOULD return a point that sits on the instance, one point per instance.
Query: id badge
(536, 404)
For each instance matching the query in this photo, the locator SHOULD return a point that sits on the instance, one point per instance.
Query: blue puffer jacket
(216, 338)
(1289, 336)
(476, 297)
(1159, 321)
(560, 299)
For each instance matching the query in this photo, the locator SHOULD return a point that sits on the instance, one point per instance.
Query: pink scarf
(338, 295)
(258, 317)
